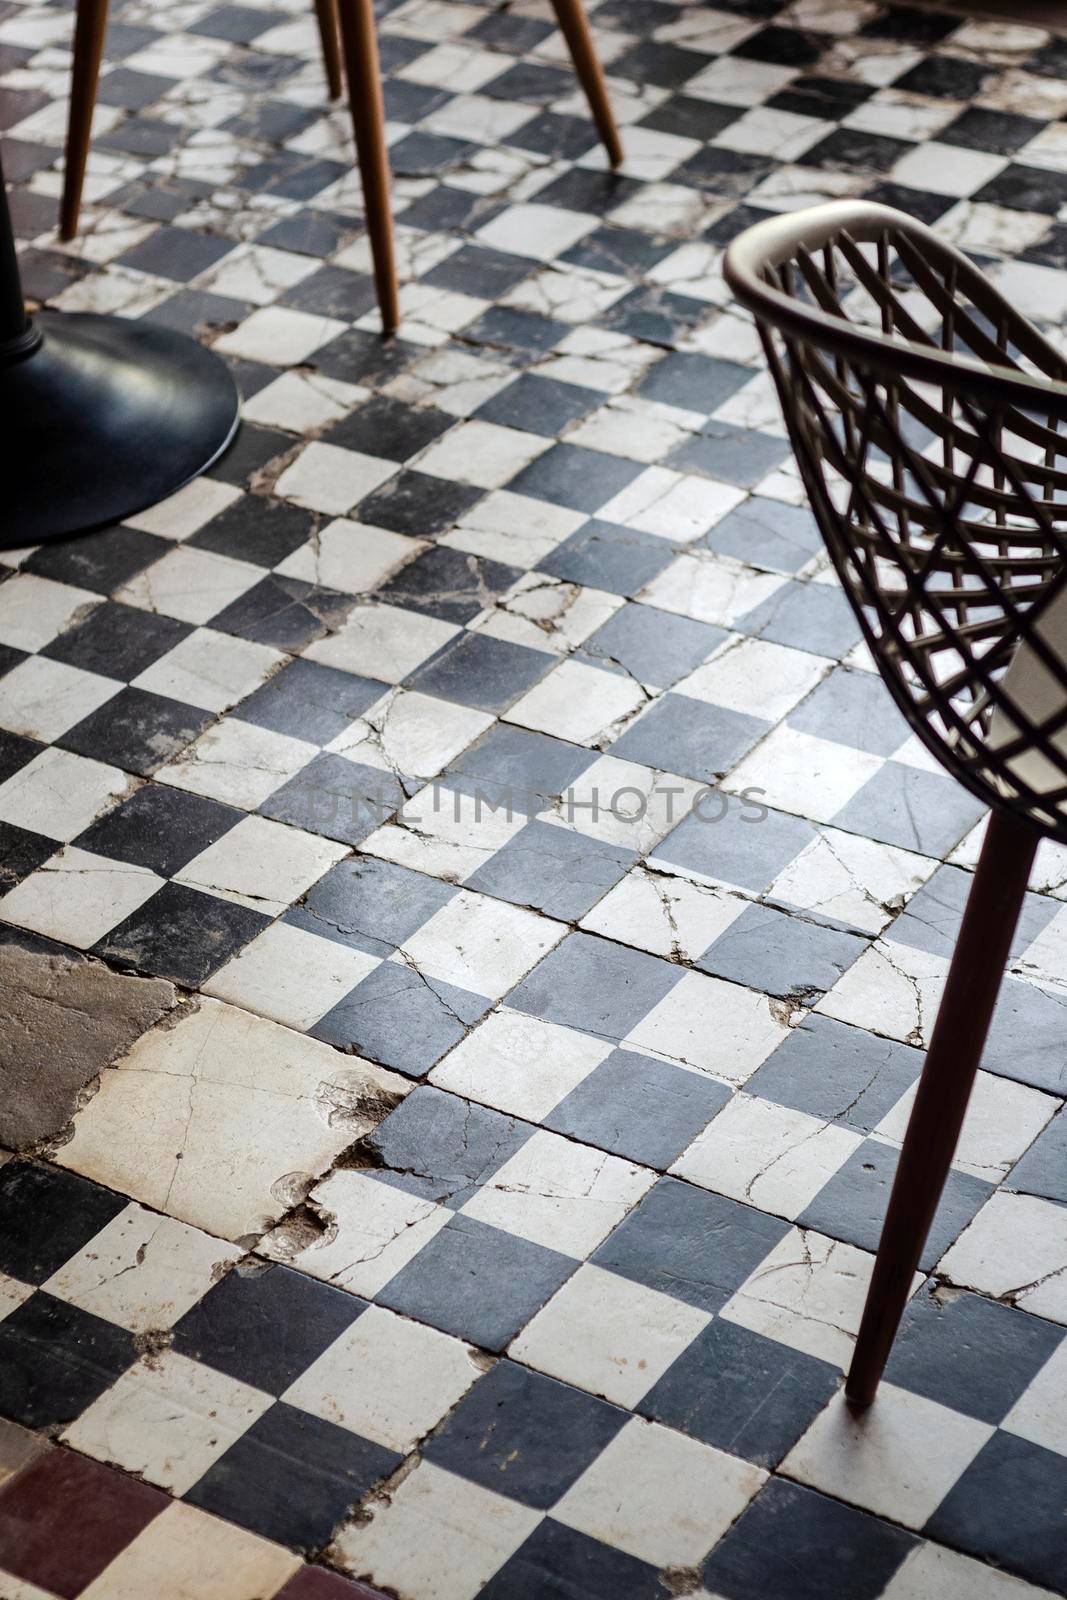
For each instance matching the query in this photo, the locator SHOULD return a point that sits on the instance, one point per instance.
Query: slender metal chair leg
(952, 1059)
(360, 45)
(574, 26)
(89, 27)
(330, 34)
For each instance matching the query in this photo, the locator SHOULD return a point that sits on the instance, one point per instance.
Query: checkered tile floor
(557, 903)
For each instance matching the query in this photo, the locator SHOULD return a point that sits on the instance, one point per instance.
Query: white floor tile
(444, 832)
(186, 511)
(756, 677)
(847, 878)
(672, 505)
(519, 1064)
(536, 230)
(192, 585)
(608, 1335)
(578, 703)
(279, 337)
(710, 589)
(239, 763)
(142, 1271)
(513, 528)
(326, 478)
(34, 610)
(184, 1552)
(387, 1378)
(661, 1497)
(203, 1119)
(210, 670)
(258, 272)
(882, 1459)
(437, 1536)
(168, 1419)
(1003, 1119)
(622, 802)
(663, 914)
(480, 944)
(560, 1194)
(544, 614)
(58, 793)
(290, 975)
(721, 1029)
(1015, 1248)
(482, 453)
(766, 1155)
(1040, 1413)
(799, 773)
(78, 897)
(932, 1570)
(808, 1293)
(372, 1230)
(382, 642)
(411, 733)
(892, 989)
(302, 402)
(43, 699)
(262, 864)
(351, 557)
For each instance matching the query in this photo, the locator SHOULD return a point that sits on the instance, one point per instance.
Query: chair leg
(330, 34)
(89, 26)
(360, 45)
(570, 14)
(952, 1059)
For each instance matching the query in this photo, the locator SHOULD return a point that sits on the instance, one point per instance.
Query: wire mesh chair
(927, 416)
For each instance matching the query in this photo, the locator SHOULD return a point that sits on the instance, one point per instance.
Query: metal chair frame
(928, 419)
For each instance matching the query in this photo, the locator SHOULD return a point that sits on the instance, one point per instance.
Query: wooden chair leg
(574, 26)
(330, 34)
(360, 45)
(89, 27)
(966, 1011)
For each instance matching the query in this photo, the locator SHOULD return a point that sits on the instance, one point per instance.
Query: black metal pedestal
(99, 416)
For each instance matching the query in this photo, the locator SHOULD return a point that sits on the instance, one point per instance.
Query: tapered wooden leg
(974, 978)
(89, 26)
(570, 14)
(360, 45)
(330, 34)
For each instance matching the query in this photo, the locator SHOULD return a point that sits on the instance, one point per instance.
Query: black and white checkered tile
(488, 749)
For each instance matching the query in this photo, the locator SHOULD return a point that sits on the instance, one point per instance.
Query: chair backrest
(929, 421)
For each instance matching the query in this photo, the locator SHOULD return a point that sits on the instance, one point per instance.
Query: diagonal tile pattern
(558, 903)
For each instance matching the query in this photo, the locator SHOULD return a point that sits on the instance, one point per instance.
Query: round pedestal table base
(103, 418)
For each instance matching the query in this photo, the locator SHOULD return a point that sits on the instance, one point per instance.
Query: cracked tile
(437, 1535)
(217, 1110)
(142, 1271)
(558, 1194)
(766, 1155)
(533, 576)
(1014, 1250)
(808, 1293)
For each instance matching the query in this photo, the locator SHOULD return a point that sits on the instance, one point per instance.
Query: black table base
(104, 418)
(99, 416)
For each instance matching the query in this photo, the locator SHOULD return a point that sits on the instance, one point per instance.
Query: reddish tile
(315, 1583)
(65, 1518)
